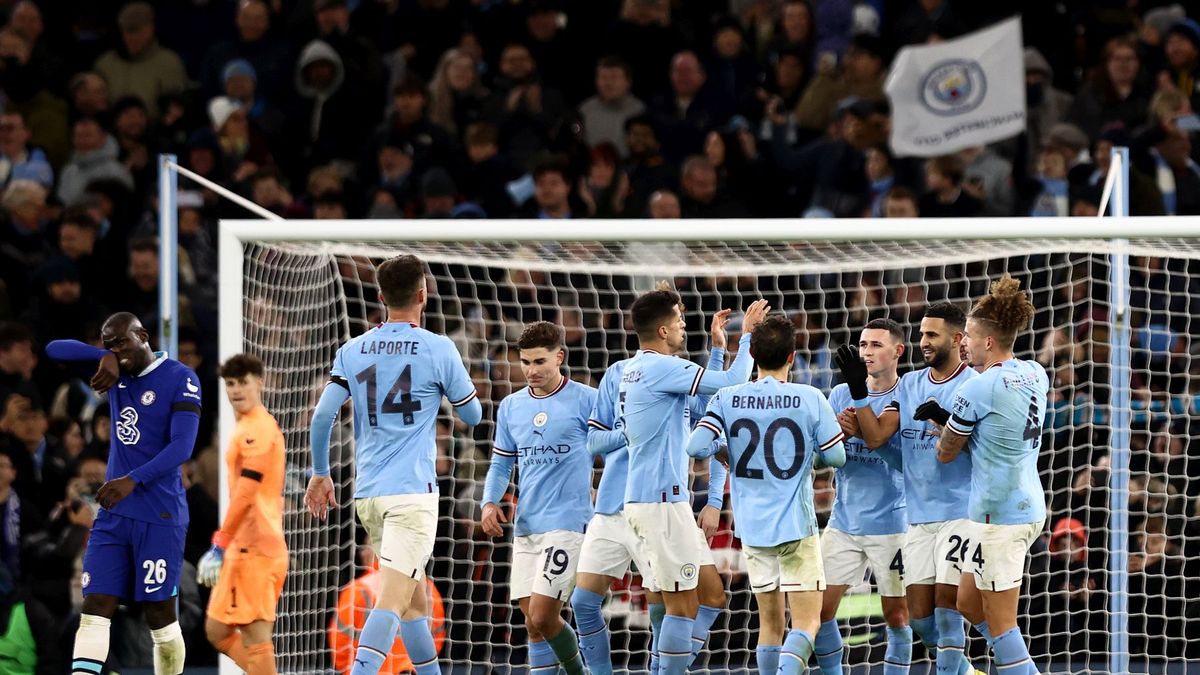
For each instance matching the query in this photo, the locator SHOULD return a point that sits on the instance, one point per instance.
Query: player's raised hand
(755, 313)
(709, 520)
(848, 420)
(107, 373)
(717, 330)
(320, 496)
(854, 371)
(112, 492)
(493, 520)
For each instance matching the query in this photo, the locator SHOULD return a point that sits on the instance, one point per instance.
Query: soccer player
(867, 525)
(397, 374)
(609, 545)
(248, 560)
(936, 543)
(543, 429)
(654, 389)
(998, 417)
(776, 431)
(154, 402)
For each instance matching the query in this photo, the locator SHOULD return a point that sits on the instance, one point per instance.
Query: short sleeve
(713, 418)
(338, 371)
(503, 444)
(827, 431)
(456, 381)
(971, 404)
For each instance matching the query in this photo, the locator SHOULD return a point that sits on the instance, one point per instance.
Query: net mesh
(303, 300)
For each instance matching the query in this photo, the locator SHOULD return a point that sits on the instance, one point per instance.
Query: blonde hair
(1006, 307)
(441, 97)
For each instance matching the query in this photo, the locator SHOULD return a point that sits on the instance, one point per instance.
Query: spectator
(882, 178)
(42, 467)
(664, 204)
(60, 310)
(131, 127)
(988, 177)
(140, 66)
(900, 202)
(438, 193)
(361, 60)
(525, 110)
(31, 633)
(1116, 92)
(604, 115)
(19, 520)
(23, 243)
(861, 74)
(945, 197)
(17, 362)
(141, 287)
(646, 39)
(322, 120)
(605, 188)
(456, 96)
(89, 95)
(488, 173)
(688, 111)
(243, 148)
(1163, 150)
(26, 91)
(19, 160)
(1045, 105)
(552, 191)
(54, 554)
(267, 190)
(94, 157)
(1182, 48)
(409, 124)
(792, 34)
(240, 81)
(732, 71)
(701, 197)
(647, 169)
(254, 44)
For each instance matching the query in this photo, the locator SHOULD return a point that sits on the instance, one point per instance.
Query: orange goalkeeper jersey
(256, 453)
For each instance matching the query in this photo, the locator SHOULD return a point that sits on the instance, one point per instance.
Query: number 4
(898, 562)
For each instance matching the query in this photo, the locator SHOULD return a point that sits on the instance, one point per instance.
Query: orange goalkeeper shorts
(248, 589)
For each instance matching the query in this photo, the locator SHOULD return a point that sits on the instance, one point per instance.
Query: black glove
(930, 410)
(854, 371)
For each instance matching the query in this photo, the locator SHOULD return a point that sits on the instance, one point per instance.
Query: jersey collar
(158, 361)
(962, 365)
(561, 385)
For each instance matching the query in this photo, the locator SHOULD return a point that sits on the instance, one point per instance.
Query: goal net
(300, 300)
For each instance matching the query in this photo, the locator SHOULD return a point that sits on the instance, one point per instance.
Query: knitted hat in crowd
(238, 67)
(220, 109)
(1069, 527)
(1161, 18)
(1187, 29)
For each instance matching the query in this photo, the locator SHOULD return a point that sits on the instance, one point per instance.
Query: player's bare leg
(710, 591)
(675, 644)
(806, 608)
(391, 613)
(828, 645)
(547, 637)
(772, 624)
(899, 635)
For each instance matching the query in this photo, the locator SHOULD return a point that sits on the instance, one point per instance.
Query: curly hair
(1006, 307)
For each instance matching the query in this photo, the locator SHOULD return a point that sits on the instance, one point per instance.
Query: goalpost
(293, 291)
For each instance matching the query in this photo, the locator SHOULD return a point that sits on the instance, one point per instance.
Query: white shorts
(789, 567)
(609, 545)
(673, 542)
(998, 561)
(402, 530)
(545, 564)
(847, 556)
(934, 553)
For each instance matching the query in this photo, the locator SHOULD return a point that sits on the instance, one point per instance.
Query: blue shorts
(133, 559)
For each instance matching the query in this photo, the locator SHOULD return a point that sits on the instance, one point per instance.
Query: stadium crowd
(331, 109)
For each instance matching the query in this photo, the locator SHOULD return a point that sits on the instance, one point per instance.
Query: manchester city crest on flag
(954, 87)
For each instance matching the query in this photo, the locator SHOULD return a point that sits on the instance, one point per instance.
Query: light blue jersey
(775, 432)
(606, 437)
(546, 437)
(869, 489)
(1001, 412)
(933, 492)
(656, 414)
(397, 374)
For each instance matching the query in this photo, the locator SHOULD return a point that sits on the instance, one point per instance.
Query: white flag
(955, 94)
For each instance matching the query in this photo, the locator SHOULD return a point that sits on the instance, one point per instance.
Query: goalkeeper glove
(209, 568)
(854, 371)
(930, 410)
